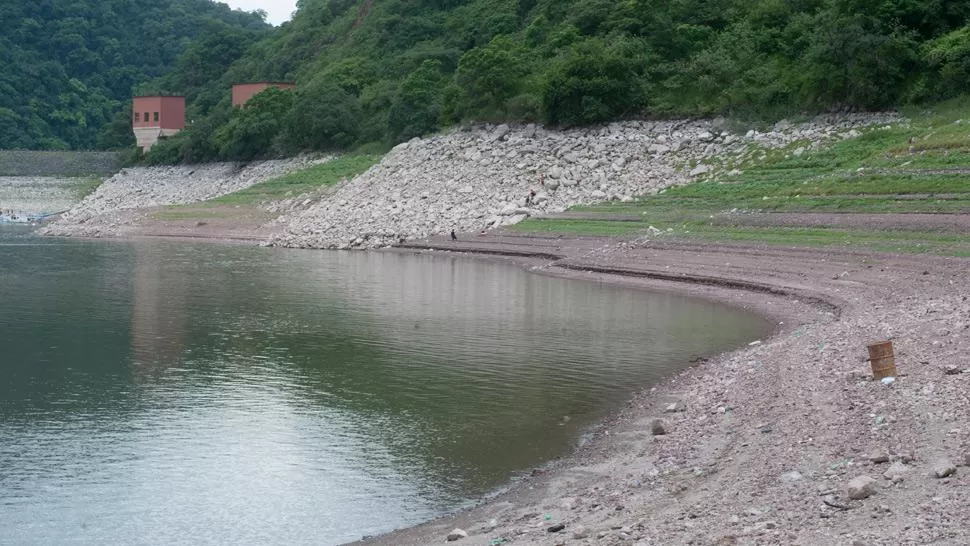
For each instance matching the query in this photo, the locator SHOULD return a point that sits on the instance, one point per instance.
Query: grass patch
(598, 228)
(177, 213)
(87, 187)
(300, 182)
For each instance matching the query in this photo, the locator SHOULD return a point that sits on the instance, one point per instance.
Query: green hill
(376, 72)
(67, 67)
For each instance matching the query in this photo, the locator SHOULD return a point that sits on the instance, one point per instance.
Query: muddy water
(157, 392)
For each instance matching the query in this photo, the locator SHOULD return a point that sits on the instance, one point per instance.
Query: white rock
(457, 534)
(699, 170)
(944, 469)
(861, 487)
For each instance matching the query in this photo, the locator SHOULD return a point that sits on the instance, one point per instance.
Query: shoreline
(766, 437)
(818, 301)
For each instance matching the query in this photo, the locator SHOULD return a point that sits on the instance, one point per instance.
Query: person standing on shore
(453, 236)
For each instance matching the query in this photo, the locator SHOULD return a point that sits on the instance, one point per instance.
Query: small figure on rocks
(453, 236)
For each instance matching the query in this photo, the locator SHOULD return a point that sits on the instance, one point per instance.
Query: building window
(146, 116)
(156, 116)
(137, 117)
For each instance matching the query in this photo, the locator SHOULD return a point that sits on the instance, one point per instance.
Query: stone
(463, 189)
(861, 487)
(944, 469)
(674, 407)
(792, 477)
(598, 194)
(659, 427)
(896, 472)
(952, 370)
(457, 534)
(879, 456)
(627, 199)
(556, 528)
(580, 532)
(699, 170)
(499, 133)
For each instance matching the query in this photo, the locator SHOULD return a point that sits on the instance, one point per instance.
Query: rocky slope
(103, 213)
(476, 178)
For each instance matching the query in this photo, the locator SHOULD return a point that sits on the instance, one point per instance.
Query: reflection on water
(158, 392)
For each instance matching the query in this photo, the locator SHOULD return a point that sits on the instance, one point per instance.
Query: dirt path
(768, 436)
(949, 223)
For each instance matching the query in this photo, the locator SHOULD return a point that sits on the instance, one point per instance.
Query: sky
(277, 10)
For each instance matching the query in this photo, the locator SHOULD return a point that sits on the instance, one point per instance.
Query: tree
(490, 76)
(416, 109)
(252, 131)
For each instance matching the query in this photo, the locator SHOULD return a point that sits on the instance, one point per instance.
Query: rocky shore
(469, 179)
(107, 211)
(480, 178)
(786, 441)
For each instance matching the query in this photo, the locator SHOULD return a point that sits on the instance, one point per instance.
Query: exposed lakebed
(207, 393)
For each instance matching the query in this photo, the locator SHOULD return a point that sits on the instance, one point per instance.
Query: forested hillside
(382, 71)
(67, 67)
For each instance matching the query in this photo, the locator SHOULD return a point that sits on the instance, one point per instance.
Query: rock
(896, 472)
(791, 477)
(555, 173)
(699, 170)
(456, 534)
(580, 532)
(674, 407)
(659, 427)
(597, 194)
(499, 133)
(627, 199)
(556, 528)
(798, 152)
(952, 370)
(465, 189)
(944, 469)
(879, 456)
(861, 487)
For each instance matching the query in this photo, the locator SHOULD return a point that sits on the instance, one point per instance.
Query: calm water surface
(162, 393)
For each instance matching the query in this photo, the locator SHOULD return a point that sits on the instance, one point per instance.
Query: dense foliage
(375, 72)
(67, 67)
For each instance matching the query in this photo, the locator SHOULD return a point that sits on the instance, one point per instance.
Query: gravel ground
(32, 195)
(764, 441)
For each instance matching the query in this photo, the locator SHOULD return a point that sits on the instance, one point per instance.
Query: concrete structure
(156, 117)
(242, 92)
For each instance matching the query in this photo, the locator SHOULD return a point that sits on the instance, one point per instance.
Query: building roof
(265, 81)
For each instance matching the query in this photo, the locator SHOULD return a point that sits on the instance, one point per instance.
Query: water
(161, 393)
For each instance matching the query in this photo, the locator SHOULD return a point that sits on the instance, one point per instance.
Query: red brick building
(156, 117)
(242, 92)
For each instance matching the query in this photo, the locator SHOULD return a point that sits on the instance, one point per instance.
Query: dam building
(156, 117)
(242, 92)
